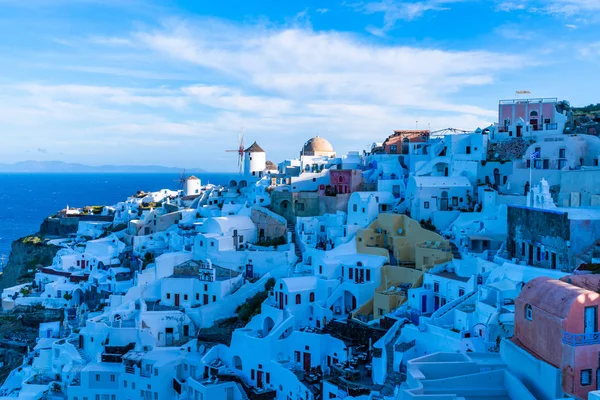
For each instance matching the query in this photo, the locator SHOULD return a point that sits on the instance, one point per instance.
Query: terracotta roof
(192, 178)
(553, 296)
(255, 148)
(413, 136)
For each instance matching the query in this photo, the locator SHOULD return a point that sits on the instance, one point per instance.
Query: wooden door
(307, 361)
(205, 299)
(259, 379)
(590, 320)
(176, 299)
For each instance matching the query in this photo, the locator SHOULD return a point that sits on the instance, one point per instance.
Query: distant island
(62, 167)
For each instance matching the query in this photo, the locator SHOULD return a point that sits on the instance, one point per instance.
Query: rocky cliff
(26, 254)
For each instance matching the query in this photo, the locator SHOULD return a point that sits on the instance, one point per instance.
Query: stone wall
(540, 228)
(269, 226)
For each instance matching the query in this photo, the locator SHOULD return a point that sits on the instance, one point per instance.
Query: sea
(27, 198)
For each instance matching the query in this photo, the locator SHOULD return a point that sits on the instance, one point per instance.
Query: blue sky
(140, 82)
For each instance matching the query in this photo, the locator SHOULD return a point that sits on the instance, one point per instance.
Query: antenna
(240, 150)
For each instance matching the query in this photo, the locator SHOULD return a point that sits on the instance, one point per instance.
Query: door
(530, 257)
(281, 301)
(424, 304)
(598, 379)
(249, 271)
(176, 299)
(553, 260)
(353, 302)
(590, 320)
(82, 264)
(259, 379)
(307, 361)
(519, 131)
(169, 336)
(205, 299)
(534, 124)
(444, 204)
(186, 330)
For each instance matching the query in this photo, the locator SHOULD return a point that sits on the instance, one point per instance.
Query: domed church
(318, 147)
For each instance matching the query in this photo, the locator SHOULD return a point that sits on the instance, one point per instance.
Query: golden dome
(317, 145)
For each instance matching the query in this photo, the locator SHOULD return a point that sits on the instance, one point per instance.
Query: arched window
(298, 299)
(528, 312)
(359, 264)
(533, 114)
(355, 208)
(312, 296)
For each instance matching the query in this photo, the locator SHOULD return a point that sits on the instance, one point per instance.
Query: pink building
(526, 117)
(344, 181)
(558, 323)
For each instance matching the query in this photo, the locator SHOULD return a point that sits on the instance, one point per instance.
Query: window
(322, 228)
(168, 296)
(112, 377)
(393, 149)
(436, 287)
(461, 292)
(562, 153)
(355, 208)
(312, 296)
(300, 206)
(206, 287)
(185, 296)
(214, 298)
(97, 377)
(426, 204)
(363, 210)
(528, 312)
(468, 150)
(268, 378)
(454, 201)
(368, 275)
(212, 244)
(350, 273)
(586, 377)
(113, 397)
(252, 374)
(298, 299)
(125, 384)
(133, 385)
(197, 296)
(539, 254)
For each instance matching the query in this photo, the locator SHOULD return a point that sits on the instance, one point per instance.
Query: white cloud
(581, 10)
(395, 10)
(282, 84)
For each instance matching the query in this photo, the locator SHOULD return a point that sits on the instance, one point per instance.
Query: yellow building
(410, 251)
(404, 242)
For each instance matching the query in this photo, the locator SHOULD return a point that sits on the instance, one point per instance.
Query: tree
(68, 296)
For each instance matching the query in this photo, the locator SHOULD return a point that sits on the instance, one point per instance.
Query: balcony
(580, 339)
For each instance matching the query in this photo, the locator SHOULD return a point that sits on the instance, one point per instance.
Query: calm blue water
(26, 199)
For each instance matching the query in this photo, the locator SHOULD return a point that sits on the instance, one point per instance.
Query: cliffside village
(435, 265)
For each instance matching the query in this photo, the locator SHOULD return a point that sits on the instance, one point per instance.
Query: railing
(529, 101)
(580, 339)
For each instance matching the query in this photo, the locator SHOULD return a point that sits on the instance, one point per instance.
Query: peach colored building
(558, 322)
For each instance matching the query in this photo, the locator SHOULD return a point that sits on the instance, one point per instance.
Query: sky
(173, 82)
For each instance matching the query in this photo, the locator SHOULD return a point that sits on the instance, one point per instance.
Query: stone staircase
(393, 377)
(455, 253)
(292, 228)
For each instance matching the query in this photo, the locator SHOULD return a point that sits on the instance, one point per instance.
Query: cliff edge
(25, 255)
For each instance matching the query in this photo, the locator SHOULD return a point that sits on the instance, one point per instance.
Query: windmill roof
(193, 177)
(255, 148)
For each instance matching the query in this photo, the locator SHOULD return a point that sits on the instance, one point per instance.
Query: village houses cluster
(435, 265)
